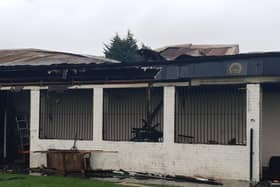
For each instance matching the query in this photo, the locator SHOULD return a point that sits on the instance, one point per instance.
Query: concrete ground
(148, 182)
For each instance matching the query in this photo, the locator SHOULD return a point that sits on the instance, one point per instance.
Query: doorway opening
(14, 129)
(270, 157)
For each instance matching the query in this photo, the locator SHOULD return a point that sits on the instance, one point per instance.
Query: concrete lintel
(234, 80)
(91, 86)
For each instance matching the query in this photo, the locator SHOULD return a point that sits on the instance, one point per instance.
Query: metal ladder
(24, 137)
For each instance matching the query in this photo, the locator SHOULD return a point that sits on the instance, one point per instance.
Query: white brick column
(35, 160)
(97, 114)
(254, 108)
(34, 117)
(168, 114)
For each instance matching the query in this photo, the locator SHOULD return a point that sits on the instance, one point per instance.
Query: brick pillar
(97, 114)
(34, 116)
(168, 114)
(34, 123)
(254, 108)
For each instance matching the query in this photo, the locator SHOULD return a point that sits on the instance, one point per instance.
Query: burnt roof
(152, 57)
(66, 68)
(174, 51)
(38, 57)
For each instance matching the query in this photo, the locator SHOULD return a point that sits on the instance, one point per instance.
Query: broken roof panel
(36, 57)
(175, 51)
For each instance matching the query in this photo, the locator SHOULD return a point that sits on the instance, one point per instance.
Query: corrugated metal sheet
(67, 114)
(124, 110)
(174, 51)
(36, 57)
(210, 115)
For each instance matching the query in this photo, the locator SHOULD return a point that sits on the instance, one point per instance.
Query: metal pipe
(251, 154)
(5, 135)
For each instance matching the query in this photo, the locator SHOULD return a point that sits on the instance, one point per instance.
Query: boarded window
(66, 115)
(210, 115)
(126, 112)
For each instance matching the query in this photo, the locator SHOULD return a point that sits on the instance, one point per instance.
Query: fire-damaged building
(210, 116)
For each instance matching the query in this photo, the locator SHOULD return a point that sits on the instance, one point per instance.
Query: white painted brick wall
(218, 161)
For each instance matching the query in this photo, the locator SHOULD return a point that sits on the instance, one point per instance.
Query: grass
(49, 181)
(18, 180)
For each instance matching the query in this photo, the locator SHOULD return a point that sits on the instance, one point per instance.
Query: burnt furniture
(68, 161)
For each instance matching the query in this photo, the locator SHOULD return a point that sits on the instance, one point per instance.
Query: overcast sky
(82, 26)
